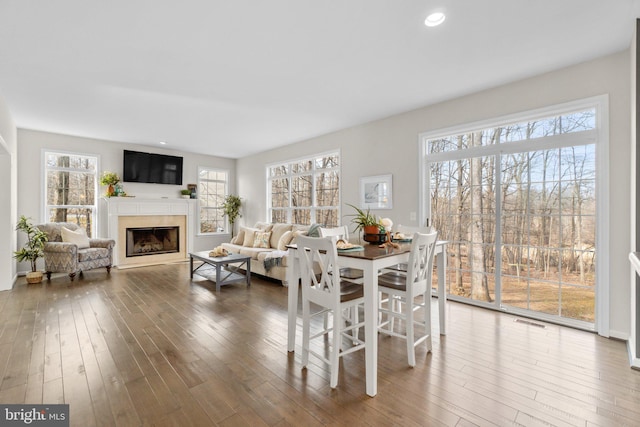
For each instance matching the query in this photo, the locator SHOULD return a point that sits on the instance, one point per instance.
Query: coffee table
(227, 268)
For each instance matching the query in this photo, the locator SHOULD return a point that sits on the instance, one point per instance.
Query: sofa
(266, 244)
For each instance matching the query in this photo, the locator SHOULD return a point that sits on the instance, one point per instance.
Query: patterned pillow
(261, 239)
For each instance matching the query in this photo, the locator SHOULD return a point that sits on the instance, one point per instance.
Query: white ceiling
(236, 77)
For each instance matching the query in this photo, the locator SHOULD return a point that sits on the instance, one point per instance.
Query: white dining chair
(331, 294)
(413, 289)
(342, 232)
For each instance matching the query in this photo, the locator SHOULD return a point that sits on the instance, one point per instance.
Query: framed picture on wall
(376, 192)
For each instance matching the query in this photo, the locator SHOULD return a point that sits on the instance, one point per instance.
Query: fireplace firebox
(143, 241)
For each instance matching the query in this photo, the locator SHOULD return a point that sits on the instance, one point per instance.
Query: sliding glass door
(517, 203)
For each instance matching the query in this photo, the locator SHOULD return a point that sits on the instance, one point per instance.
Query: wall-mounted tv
(152, 168)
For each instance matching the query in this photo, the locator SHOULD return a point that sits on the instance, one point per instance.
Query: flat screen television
(152, 168)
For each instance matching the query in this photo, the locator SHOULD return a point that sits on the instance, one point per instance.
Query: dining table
(370, 259)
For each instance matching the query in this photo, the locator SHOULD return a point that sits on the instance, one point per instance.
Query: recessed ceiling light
(163, 143)
(434, 19)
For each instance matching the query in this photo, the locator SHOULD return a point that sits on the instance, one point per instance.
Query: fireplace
(145, 241)
(152, 218)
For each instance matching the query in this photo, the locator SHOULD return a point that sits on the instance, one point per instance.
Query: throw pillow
(78, 237)
(295, 236)
(249, 236)
(314, 230)
(276, 233)
(261, 240)
(285, 240)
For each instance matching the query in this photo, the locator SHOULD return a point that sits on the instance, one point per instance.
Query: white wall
(391, 146)
(110, 153)
(8, 177)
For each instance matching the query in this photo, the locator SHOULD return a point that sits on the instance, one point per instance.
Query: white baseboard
(633, 359)
(624, 336)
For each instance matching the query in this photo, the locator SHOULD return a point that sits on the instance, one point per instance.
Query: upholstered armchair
(74, 255)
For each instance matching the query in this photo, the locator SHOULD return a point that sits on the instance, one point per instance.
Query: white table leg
(293, 275)
(441, 262)
(371, 327)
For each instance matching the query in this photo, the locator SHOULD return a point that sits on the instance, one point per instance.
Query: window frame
(227, 229)
(44, 210)
(600, 136)
(314, 172)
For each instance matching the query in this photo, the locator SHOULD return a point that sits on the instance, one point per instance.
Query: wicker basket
(34, 277)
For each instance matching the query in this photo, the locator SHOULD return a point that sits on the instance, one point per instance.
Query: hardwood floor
(148, 346)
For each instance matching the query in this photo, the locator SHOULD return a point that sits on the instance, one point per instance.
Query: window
(212, 190)
(305, 191)
(517, 203)
(70, 189)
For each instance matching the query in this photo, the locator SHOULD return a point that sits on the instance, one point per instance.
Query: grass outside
(564, 299)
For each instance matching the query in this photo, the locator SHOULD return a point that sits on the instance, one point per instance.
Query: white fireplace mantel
(113, 208)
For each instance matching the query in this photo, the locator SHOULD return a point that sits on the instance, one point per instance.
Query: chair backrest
(321, 287)
(420, 265)
(410, 231)
(53, 230)
(341, 232)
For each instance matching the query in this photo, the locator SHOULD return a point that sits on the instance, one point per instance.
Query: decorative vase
(110, 191)
(34, 277)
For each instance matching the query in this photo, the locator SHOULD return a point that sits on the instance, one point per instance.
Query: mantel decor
(376, 192)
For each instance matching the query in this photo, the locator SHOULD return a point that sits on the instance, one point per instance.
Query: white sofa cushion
(276, 233)
(249, 236)
(285, 240)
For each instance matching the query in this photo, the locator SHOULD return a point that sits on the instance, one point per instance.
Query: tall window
(305, 191)
(71, 188)
(212, 190)
(517, 203)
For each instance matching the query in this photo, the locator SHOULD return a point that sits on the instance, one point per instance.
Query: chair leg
(108, 269)
(427, 318)
(305, 332)
(411, 349)
(48, 273)
(72, 276)
(335, 350)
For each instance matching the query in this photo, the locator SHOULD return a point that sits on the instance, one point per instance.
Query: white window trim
(601, 105)
(313, 206)
(227, 226)
(43, 180)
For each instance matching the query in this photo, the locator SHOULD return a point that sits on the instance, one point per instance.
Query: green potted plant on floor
(33, 248)
(231, 208)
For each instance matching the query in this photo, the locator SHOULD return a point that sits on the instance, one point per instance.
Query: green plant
(109, 178)
(363, 219)
(231, 208)
(33, 248)
(185, 192)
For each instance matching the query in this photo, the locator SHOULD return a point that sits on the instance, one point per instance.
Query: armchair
(64, 257)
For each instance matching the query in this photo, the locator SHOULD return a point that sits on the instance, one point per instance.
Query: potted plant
(110, 179)
(186, 194)
(231, 208)
(33, 248)
(369, 224)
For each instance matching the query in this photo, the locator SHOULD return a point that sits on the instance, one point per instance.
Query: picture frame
(376, 192)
